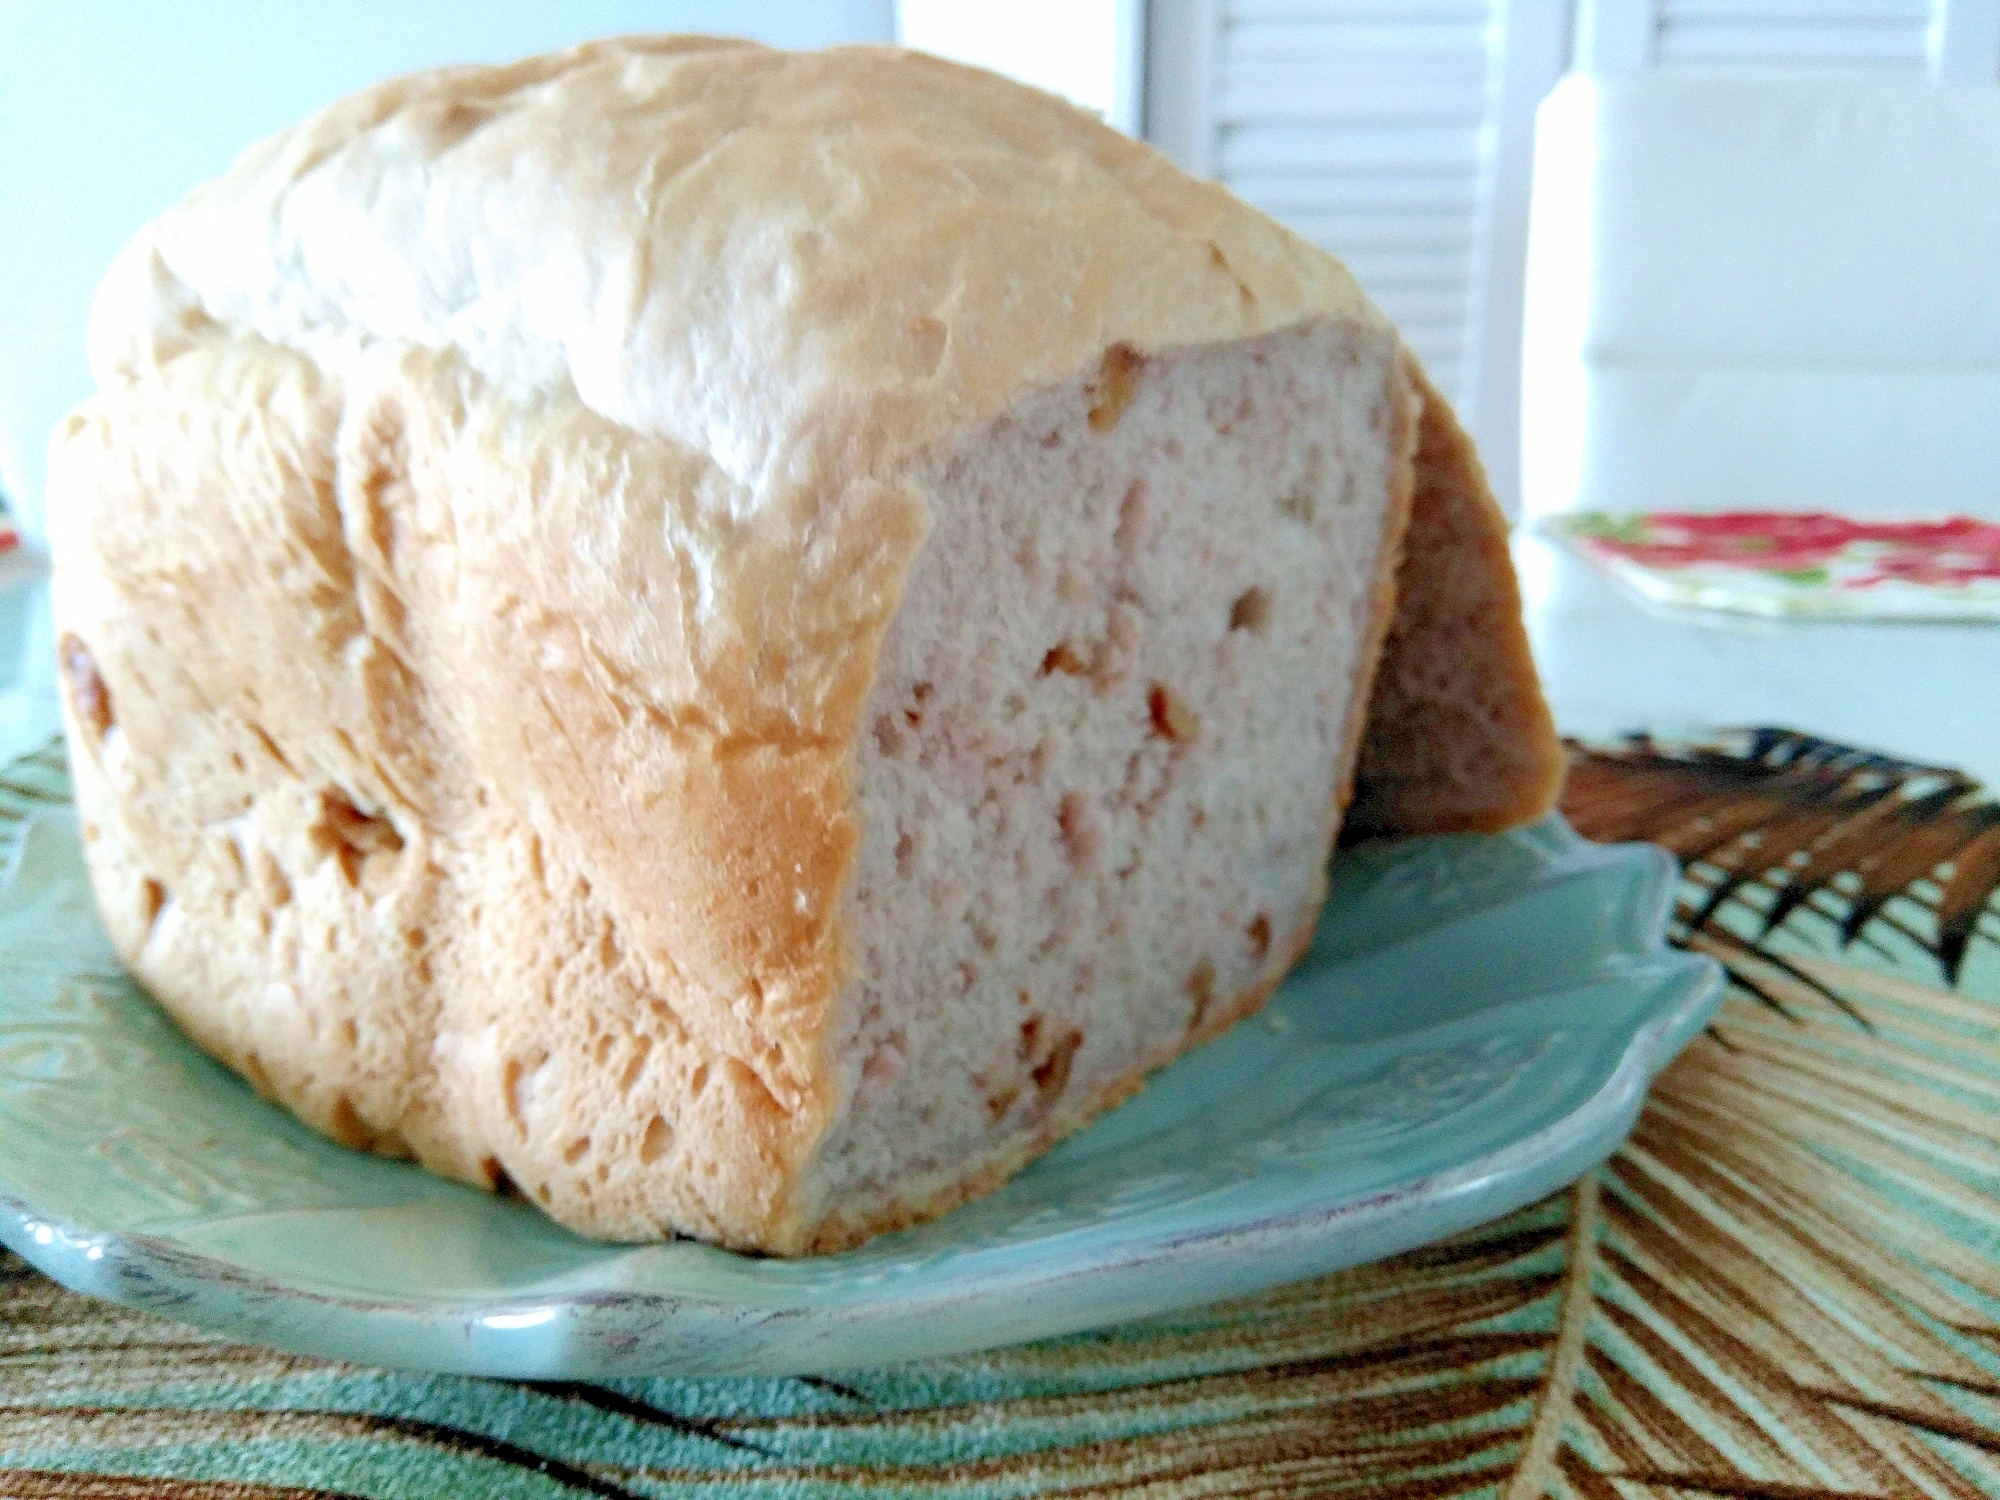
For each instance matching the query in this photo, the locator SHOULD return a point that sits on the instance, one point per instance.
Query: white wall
(110, 110)
(1088, 51)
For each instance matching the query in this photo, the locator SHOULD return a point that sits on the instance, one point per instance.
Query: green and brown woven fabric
(1786, 1285)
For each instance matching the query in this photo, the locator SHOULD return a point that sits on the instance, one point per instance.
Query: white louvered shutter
(1626, 34)
(1396, 132)
(1950, 41)
(1891, 33)
(1360, 124)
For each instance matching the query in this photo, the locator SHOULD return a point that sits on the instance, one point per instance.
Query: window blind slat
(1320, 41)
(1696, 32)
(1835, 43)
(1901, 12)
(1360, 123)
(1314, 149)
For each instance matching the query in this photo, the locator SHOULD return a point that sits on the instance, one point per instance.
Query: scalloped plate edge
(610, 1334)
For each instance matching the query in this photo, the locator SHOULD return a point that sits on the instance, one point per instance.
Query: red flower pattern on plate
(1805, 545)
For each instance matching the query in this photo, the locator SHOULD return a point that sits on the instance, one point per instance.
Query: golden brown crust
(1408, 401)
(1458, 737)
(807, 267)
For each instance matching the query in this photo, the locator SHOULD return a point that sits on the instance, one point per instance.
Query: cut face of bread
(746, 690)
(1103, 753)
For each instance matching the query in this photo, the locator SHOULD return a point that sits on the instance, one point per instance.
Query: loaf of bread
(743, 640)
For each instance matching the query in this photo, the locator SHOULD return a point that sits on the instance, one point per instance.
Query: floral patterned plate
(1475, 1025)
(1807, 563)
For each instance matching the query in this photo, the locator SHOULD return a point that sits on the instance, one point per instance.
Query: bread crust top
(805, 266)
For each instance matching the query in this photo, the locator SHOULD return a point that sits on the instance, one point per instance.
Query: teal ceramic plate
(1475, 1025)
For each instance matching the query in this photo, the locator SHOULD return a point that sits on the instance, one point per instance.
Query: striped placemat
(1786, 1285)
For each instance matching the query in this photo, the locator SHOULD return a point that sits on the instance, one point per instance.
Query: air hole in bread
(89, 698)
(510, 1088)
(697, 1080)
(1132, 517)
(1172, 719)
(229, 848)
(253, 1069)
(1063, 657)
(350, 1034)
(752, 1092)
(496, 1177)
(654, 1143)
(152, 900)
(274, 889)
(1051, 1074)
(1259, 933)
(888, 737)
(270, 746)
(352, 836)
(885, 1064)
(346, 1125)
(573, 1152)
(1077, 822)
(665, 1022)
(1117, 380)
(1201, 985)
(1251, 611)
(642, 1048)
